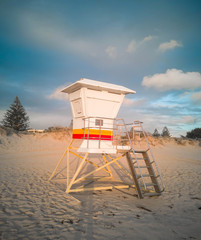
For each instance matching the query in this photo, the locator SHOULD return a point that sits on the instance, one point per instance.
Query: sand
(33, 208)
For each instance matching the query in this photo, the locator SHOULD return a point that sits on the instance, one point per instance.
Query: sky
(150, 46)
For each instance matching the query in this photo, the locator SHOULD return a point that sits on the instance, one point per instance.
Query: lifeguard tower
(98, 132)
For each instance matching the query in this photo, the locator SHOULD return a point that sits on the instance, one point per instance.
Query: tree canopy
(165, 132)
(156, 133)
(195, 133)
(16, 117)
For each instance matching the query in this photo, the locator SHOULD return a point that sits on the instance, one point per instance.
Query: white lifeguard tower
(95, 106)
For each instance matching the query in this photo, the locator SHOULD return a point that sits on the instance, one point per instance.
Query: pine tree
(16, 117)
(165, 132)
(156, 133)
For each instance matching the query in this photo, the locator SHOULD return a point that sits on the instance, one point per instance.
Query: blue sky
(152, 47)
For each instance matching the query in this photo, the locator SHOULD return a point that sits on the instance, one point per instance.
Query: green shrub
(195, 133)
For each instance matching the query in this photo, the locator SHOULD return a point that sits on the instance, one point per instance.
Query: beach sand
(33, 208)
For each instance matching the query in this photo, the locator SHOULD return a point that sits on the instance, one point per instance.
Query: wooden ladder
(143, 167)
(143, 174)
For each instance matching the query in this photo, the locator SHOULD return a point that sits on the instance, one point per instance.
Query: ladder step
(151, 194)
(135, 160)
(144, 175)
(149, 185)
(141, 166)
(141, 150)
(151, 162)
(142, 158)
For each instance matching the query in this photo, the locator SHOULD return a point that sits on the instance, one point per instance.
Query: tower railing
(131, 135)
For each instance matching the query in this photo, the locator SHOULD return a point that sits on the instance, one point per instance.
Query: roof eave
(79, 84)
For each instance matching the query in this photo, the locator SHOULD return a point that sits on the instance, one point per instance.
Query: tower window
(99, 122)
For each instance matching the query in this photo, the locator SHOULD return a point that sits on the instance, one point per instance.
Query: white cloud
(133, 45)
(187, 120)
(127, 102)
(134, 102)
(166, 105)
(178, 120)
(111, 51)
(146, 39)
(169, 45)
(196, 96)
(57, 94)
(44, 120)
(173, 79)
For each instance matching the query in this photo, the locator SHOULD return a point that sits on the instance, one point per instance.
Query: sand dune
(33, 208)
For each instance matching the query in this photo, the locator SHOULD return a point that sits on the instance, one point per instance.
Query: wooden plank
(108, 167)
(68, 169)
(99, 188)
(141, 167)
(150, 194)
(60, 161)
(96, 165)
(122, 150)
(96, 170)
(151, 173)
(134, 175)
(144, 175)
(76, 173)
(141, 150)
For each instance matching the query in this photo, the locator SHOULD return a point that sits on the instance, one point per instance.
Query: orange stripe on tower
(93, 134)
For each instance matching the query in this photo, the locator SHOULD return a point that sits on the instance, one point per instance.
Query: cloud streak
(51, 34)
(134, 102)
(111, 51)
(187, 120)
(133, 45)
(58, 95)
(163, 47)
(196, 96)
(173, 79)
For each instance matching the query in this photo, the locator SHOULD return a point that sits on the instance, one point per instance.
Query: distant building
(35, 130)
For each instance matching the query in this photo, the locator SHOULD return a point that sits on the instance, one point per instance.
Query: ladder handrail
(153, 157)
